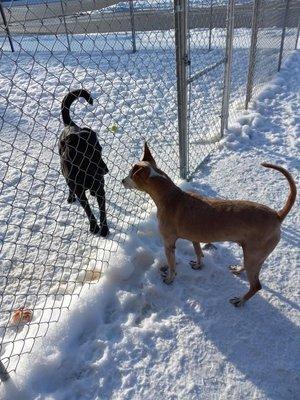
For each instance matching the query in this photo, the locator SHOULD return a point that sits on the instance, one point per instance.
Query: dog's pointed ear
(147, 156)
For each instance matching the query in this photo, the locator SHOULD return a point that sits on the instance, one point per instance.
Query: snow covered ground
(133, 337)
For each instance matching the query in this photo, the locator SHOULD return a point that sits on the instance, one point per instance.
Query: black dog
(82, 164)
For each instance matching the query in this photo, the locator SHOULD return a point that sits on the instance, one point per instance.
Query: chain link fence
(233, 51)
(274, 38)
(47, 251)
(157, 70)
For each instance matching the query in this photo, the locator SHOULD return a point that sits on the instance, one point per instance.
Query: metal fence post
(210, 24)
(252, 55)
(297, 35)
(132, 25)
(4, 375)
(180, 11)
(6, 27)
(228, 62)
(65, 24)
(283, 33)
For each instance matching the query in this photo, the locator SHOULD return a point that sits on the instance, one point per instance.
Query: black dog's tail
(68, 100)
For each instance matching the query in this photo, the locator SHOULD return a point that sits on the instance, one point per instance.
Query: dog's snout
(126, 182)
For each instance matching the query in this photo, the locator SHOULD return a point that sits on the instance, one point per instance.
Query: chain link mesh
(47, 252)
(240, 56)
(291, 28)
(207, 40)
(269, 39)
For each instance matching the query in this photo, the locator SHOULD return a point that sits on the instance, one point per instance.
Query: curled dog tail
(68, 100)
(293, 191)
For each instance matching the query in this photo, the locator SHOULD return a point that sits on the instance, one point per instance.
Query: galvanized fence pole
(4, 375)
(253, 50)
(65, 24)
(228, 62)
(210, 24)
(180, 11)
(297, 35)
(6, 27)
(283, 33)
(131, 9)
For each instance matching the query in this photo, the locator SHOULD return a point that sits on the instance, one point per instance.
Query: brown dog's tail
(68, 100)
(293, 191)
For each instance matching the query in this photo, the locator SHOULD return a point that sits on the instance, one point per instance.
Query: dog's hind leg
(252, 264)
(253, 260)
(94, 227)
(103, 222)
(72, 196)
(199, 255)
(255, 286)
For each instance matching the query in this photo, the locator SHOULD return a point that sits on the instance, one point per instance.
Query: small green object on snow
(113, 128)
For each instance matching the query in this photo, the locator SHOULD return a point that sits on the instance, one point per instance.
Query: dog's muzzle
(128, 183)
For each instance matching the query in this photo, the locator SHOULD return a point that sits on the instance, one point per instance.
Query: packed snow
(133, 337)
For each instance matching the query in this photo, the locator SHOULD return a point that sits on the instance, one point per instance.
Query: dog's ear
(147, 156)
(141, 174)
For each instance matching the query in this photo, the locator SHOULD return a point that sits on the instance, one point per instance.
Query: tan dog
(201, 219)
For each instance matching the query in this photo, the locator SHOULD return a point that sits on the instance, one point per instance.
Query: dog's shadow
(260, 342)
(257, 339)
(282, 298)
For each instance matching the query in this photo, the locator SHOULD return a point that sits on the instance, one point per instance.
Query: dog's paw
(167, 277)
(237, 301)
(94, 227)
(104, 231)
(195, 265)
(71, 199)
(209, 246)
(164, 270)
(236, 269)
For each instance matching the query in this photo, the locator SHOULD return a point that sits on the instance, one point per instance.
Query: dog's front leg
(199, 255)
(71, 197)
(103, 222)
(169, 276)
